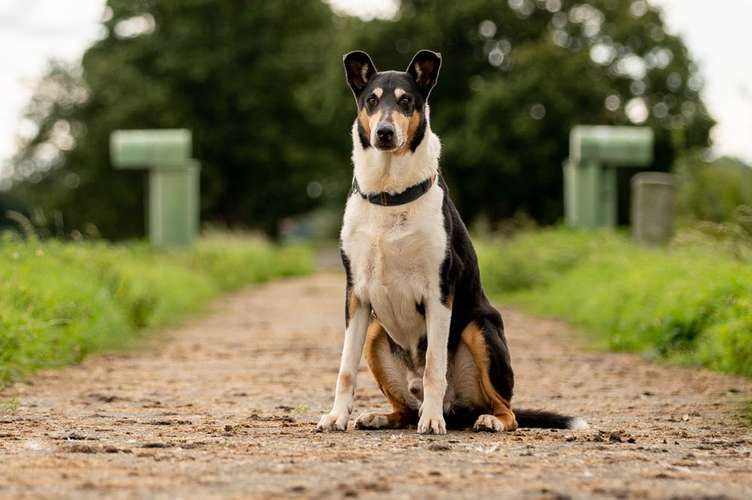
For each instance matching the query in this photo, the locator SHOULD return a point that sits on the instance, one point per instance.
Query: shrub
(687, 303)
(62, 301)
(713, 191)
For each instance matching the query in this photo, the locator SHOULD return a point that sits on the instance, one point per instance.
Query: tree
(262, 87)
(518, 75)
(230, 71)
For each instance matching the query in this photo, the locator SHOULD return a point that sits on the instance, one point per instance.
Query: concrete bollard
(653, 207)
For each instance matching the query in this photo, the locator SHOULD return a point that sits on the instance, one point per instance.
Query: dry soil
(226, 407)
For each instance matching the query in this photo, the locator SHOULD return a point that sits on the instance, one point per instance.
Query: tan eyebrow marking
(378, 91)
(398, 92)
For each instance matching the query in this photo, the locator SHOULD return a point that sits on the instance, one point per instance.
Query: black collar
(392, 200)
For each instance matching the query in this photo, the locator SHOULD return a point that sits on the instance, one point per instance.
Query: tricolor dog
(414, 301)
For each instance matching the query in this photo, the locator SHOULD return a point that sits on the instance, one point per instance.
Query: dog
(413, 296)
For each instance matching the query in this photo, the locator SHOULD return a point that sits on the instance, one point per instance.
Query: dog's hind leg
(488, 349)
(391, 376)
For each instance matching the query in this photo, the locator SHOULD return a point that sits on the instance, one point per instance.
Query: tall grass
(62, 301)
(689, 303)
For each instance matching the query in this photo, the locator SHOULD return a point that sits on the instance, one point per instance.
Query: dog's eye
(404, 102)
(372, 101)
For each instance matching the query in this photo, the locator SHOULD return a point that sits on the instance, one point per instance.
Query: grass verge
(689, 303)
(62, 301)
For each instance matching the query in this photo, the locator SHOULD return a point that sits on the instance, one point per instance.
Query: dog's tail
(541, 419)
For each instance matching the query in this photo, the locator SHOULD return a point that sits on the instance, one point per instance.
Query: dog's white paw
(431, 422)
(372, 421)
(488, 423)
(333, 422)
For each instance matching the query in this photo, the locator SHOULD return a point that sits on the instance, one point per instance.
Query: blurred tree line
(714, 191)
(262, 87)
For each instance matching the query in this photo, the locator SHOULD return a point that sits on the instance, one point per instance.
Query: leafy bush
(62, 301)
(687, 303)
(530, 261)
(713, 191)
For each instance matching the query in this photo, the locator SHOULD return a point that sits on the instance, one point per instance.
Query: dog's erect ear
(359, 69)
(424, 69)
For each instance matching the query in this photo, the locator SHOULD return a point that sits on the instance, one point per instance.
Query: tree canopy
(261, 86)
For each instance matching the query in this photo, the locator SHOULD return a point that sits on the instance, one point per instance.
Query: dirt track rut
(226, 405)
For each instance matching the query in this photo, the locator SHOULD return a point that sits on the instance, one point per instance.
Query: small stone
(156, 445)
(439, 447)
(81, 448)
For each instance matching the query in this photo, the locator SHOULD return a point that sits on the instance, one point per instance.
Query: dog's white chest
(395, 258)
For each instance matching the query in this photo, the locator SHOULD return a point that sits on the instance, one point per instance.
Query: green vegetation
(9, 405)
(691, 303)
(62, 301)
(262, 87)
(715, 190)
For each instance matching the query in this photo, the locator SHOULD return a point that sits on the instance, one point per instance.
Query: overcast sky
(33, 31)
(717, 36)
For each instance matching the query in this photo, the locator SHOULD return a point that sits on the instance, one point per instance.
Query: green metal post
(590, 177)
(173, 198)
(609, 191)
(571, 194)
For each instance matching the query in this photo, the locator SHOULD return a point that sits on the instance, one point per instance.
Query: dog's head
(392, 104)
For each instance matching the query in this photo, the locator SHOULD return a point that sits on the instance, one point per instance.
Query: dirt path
(226, 407)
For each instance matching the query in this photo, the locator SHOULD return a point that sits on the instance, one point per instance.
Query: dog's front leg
(355, 336)
(438, 317)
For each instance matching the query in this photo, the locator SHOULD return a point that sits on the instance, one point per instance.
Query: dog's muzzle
(385, 136)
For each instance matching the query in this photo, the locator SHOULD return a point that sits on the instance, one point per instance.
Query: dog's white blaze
(396, 252)
(399, 137)
(380, 171)
(396, 255)
(401, 247)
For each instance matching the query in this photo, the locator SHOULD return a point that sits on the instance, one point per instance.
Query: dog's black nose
(385, 132)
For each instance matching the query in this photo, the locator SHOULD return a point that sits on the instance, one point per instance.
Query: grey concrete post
(653, 207)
